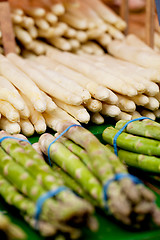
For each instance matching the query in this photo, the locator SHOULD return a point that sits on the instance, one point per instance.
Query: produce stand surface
(108, 229)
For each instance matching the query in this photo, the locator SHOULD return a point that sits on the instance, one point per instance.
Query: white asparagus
(60, 43)
(135, 114)
(96, 32)
(10, 127)
(97, 74)
(134, 54)
(36, 47)
(75, 44)
(74, 22)
(22, 82)
(153, 104)
(36, 118)
(140, 100)
(58, 9)
(22, 35)
(28, 54)
(78, 112)
(51, 106)
(26, 127)
(40, 79)
(37, 148)
(8, 111)
(104, 39)
(97, 118)
(148, 114)
(114, 32)
(42, 24)
(157, 96)
(33, 32)
(110, 110)
(18, 11)
(57, 118)
(25, 113)
(57, 30)
(81, 36)
(123, 116)
(36, 12)
(63, 81)
(93, 105)
(51, 18)
(97, 50)
(70, 32)
(97, 91)
(16, 19)
(27, 22)
(125, 104)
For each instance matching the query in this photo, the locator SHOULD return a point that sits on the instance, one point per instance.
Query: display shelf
(108, 228)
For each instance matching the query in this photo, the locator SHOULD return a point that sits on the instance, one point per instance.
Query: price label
(158, 9)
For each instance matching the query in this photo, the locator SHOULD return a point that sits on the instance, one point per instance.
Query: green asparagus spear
(132, 143)
(140, 128)
(72, 164)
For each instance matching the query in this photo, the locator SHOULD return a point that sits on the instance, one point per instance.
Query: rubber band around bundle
(121, 130)
(62, 133)
(20, 139)
(43, 198)
(118, 177)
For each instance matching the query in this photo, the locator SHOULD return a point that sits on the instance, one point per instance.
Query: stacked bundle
(77, 26)
(89, 167)
(25, 178)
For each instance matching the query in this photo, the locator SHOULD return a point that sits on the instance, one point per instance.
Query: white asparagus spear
(135, 114)
(11, 97)
(57, 30)
(97, 91)
(81, 36)
(42, 24)
(28, 54)
(8, 111)
(114, 32)
(74, 22)
(18, 11)
(75, 44)
(26, 127)
(22, 82)
(60, 43)
(63, 81)
(153, 104)
(36, 118)
(51, 18)
(140, 100)
(96, 32)
(78, 112)
(148, 114)
(51, 87)
(157, 96)
(97, 50)
(10, 127)
(57, 118)
(134, 54)
(97, 74)
(125, 104)
(110, 110)
(25, 113)
(22, 35)
(58, 9)
(18, 103)
(97, 118)
(70, 32)
(37, 148)
(35, 47)
(27, 22)
(51, 106)
(123, 116)
(33, 32)
(104, 39)
(36, 12)
(16, 19)
(93, 105)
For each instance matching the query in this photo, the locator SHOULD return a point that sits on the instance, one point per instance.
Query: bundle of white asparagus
(43, 91)
(76, 26)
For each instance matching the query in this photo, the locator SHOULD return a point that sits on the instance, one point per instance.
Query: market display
(73, 68)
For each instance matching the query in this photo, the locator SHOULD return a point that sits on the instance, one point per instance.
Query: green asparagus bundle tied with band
(138, 144)
(97, 172)
(25, 178)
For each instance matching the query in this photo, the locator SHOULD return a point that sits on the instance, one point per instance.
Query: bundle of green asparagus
(25, 177)
(10, 231)
(138, 144)
(86, 166)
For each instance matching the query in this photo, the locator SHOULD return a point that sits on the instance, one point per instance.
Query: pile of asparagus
(86, 165)
(8, 230)
(77, 26)
(138, 145)
(25, 177)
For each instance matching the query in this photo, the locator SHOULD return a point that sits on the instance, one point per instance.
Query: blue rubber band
(20, 139)
(48, 151)
(43, 198)
(121, 130)
(118, 177)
